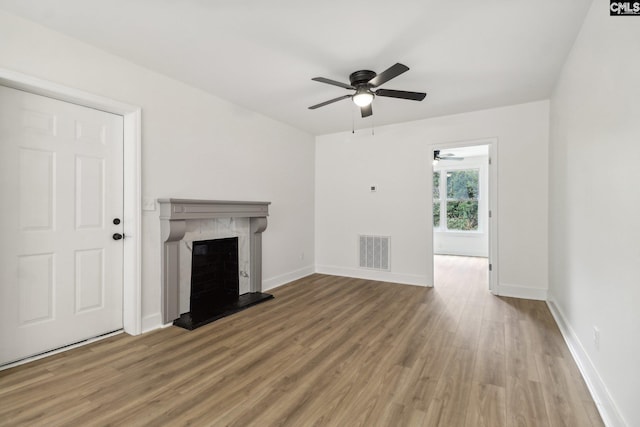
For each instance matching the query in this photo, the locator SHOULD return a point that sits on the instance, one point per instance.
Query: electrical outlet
(301, 256)
(596, 338)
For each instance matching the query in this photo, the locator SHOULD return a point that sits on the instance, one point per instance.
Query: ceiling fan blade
(322, 104)
(388, 74)
(332, 82)
(451, 158)
(366, 111)
(402, 94)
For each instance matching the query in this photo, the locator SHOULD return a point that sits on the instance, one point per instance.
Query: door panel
(35, 288)
(36, 179)
(89, 192)
(89, 279)
(61, 182)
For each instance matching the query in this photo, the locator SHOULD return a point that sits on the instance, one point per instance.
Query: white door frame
(493, 203)
(132, 290)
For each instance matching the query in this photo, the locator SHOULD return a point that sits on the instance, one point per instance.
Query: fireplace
(185, 225)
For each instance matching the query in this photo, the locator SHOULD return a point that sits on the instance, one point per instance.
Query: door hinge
(489, 214)
(490, 267)
(489, 160)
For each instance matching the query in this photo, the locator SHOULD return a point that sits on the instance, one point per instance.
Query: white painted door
(61, 186)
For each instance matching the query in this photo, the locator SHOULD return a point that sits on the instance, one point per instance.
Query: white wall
(594, 233)
(398, 159)
(467, 243)
(194, 145)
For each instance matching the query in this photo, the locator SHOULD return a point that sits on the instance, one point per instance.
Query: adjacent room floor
(327, 351)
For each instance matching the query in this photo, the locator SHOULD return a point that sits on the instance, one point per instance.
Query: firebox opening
(214, 276)
(215, 284)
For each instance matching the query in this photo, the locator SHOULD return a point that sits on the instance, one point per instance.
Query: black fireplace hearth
(215, 284)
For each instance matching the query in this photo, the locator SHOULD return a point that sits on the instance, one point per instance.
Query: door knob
(117, 236)
(116, 221)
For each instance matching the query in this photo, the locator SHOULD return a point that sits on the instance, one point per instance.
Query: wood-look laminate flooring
(327, 351)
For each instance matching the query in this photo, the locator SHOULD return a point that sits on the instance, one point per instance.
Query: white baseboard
(151, 322)
(606, 406)
(524, 292)
(383, 276)
(274, 282)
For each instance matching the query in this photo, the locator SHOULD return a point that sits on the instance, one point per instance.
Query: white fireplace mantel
(174, 213)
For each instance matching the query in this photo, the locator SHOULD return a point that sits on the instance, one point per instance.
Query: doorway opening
(464, 201)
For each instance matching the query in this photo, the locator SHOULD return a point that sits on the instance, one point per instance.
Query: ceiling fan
(363, 82)
(445, 156)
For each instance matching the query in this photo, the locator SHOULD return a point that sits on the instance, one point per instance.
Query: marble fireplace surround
(174, 214)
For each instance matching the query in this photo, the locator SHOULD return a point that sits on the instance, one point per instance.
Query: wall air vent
(374, 252)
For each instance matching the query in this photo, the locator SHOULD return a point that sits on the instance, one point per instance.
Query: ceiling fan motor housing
(362, 77)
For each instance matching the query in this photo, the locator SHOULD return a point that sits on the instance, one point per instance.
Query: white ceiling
(261, 54)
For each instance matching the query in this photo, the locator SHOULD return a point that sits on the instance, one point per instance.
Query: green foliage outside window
(436, 214)
(462, 184)
(436, 199)
(462, 199)
(462, 215)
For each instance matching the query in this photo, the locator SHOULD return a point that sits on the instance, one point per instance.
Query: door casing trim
(132, 140)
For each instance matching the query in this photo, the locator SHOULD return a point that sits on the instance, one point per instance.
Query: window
(460, 208)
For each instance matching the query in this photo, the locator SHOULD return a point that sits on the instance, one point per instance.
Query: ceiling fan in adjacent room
(445, 156)
(363, 82)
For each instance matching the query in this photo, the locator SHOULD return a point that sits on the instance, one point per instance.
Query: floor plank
(327, 351)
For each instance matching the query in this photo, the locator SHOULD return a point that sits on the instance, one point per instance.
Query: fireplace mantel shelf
(174, 213)
(177, 209)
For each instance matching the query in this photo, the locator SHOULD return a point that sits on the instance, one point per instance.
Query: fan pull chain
(353, 121)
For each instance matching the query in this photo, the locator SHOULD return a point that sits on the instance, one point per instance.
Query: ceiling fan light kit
(363, 81)
(363, 97)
